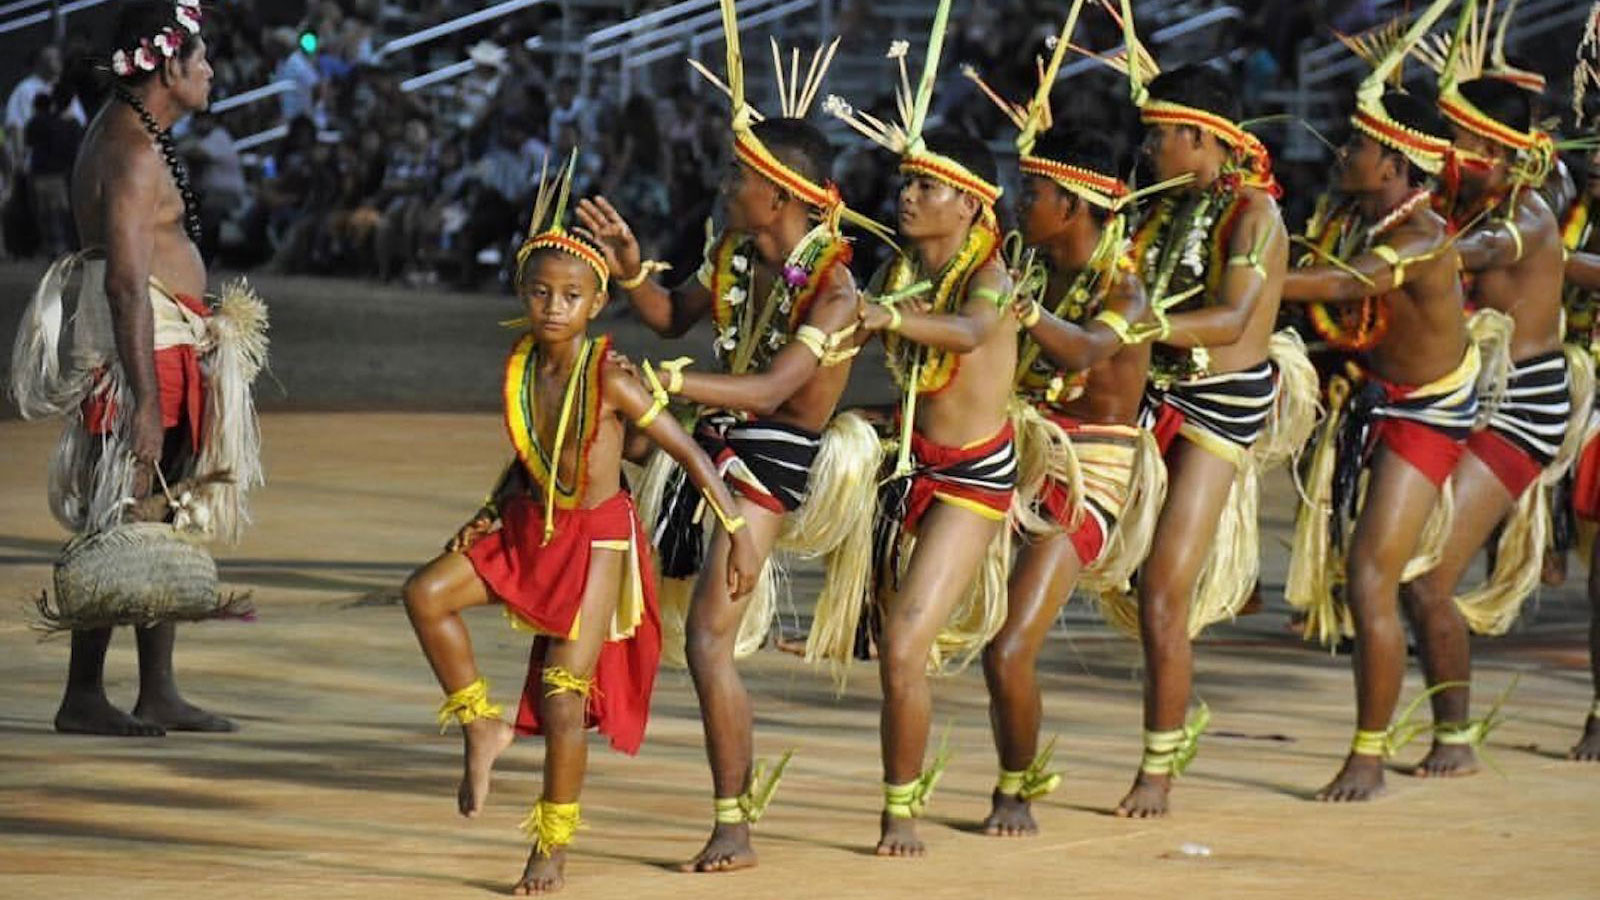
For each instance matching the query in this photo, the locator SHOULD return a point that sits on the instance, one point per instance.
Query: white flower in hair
(144, 59)
(121, 66)
(898, 49)
(167, 42)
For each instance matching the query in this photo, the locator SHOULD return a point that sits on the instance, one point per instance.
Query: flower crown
(163, 45)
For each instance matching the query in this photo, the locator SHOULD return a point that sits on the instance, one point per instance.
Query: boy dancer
(569, 560)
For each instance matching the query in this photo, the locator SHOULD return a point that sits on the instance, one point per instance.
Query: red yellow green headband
(565, 243)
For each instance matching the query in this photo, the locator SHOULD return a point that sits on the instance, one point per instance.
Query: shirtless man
(957, 355)
(1511, 244)
(130, 200)
(1420, 392)
(1079, 372)
(1213, 360)
(782, 401)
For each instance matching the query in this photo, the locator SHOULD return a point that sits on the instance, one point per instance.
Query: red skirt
(962, 476)
(543, 585)
(1586, 482)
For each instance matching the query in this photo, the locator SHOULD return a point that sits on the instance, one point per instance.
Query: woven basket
(138, 573)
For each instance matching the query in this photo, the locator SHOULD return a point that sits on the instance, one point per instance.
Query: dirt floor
(339, 785)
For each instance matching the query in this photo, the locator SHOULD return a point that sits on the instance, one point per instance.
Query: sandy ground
(339, 785)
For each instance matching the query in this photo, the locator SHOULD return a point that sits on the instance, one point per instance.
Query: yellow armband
(1516, 236)
(1391, 256)
(658, 392)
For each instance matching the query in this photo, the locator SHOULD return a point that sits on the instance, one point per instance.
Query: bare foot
(1147, 799)
(727, 850)
(1447, 761)
(1011, 816)
(178, 714)
(1360, 779)
(83, 713)
(900, 837)
(484, 740)
(1588, 749)
(545, 872)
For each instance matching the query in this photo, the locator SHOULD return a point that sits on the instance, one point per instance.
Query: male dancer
(1386, 249)
(1510, 242)
(777, 286)
(1219, 242)
(943, 508)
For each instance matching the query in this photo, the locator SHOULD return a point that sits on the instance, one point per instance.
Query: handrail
(433, 32)
(35, 18)
(233, 101)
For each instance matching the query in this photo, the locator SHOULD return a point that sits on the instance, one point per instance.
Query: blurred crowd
(346, 171)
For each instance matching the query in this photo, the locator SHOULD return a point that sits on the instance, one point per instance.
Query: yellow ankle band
(1455, 734)
(552, 825)
(468, 705)
(1371, 743)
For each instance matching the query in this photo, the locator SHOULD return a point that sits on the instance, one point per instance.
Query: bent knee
(1006, 653)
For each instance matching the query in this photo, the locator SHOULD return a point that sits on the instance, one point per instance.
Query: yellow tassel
(468, 705)
(1044, 452)
(552, 826)
(848, 481)
(1297, 408)
(1315, 570)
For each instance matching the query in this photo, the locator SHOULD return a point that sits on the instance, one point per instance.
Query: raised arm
(669, 313)
(829, 322)
(129, 213)
(1078, 347)
(639, 406)
(1259, 247)
(962, 331)
(1502, 242)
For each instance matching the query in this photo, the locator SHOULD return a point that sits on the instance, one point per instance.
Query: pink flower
(795, 277)
(144, 57)
(167, 42)
(121, 66)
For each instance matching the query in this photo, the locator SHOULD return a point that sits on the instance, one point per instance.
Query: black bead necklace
(169, 152)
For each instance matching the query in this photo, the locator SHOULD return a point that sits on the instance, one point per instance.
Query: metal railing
(460, 23)
(46, 15)
(682, 28)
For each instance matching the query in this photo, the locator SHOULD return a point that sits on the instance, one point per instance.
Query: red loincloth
(939, 466)
(1514, 466)
(544, 585)
(1586, 482)
(181, 384)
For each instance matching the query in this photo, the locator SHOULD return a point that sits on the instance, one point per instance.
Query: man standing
(136, 399)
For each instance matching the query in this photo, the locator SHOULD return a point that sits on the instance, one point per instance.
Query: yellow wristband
(1031, 318)
(1117, 323)
(646, 269)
